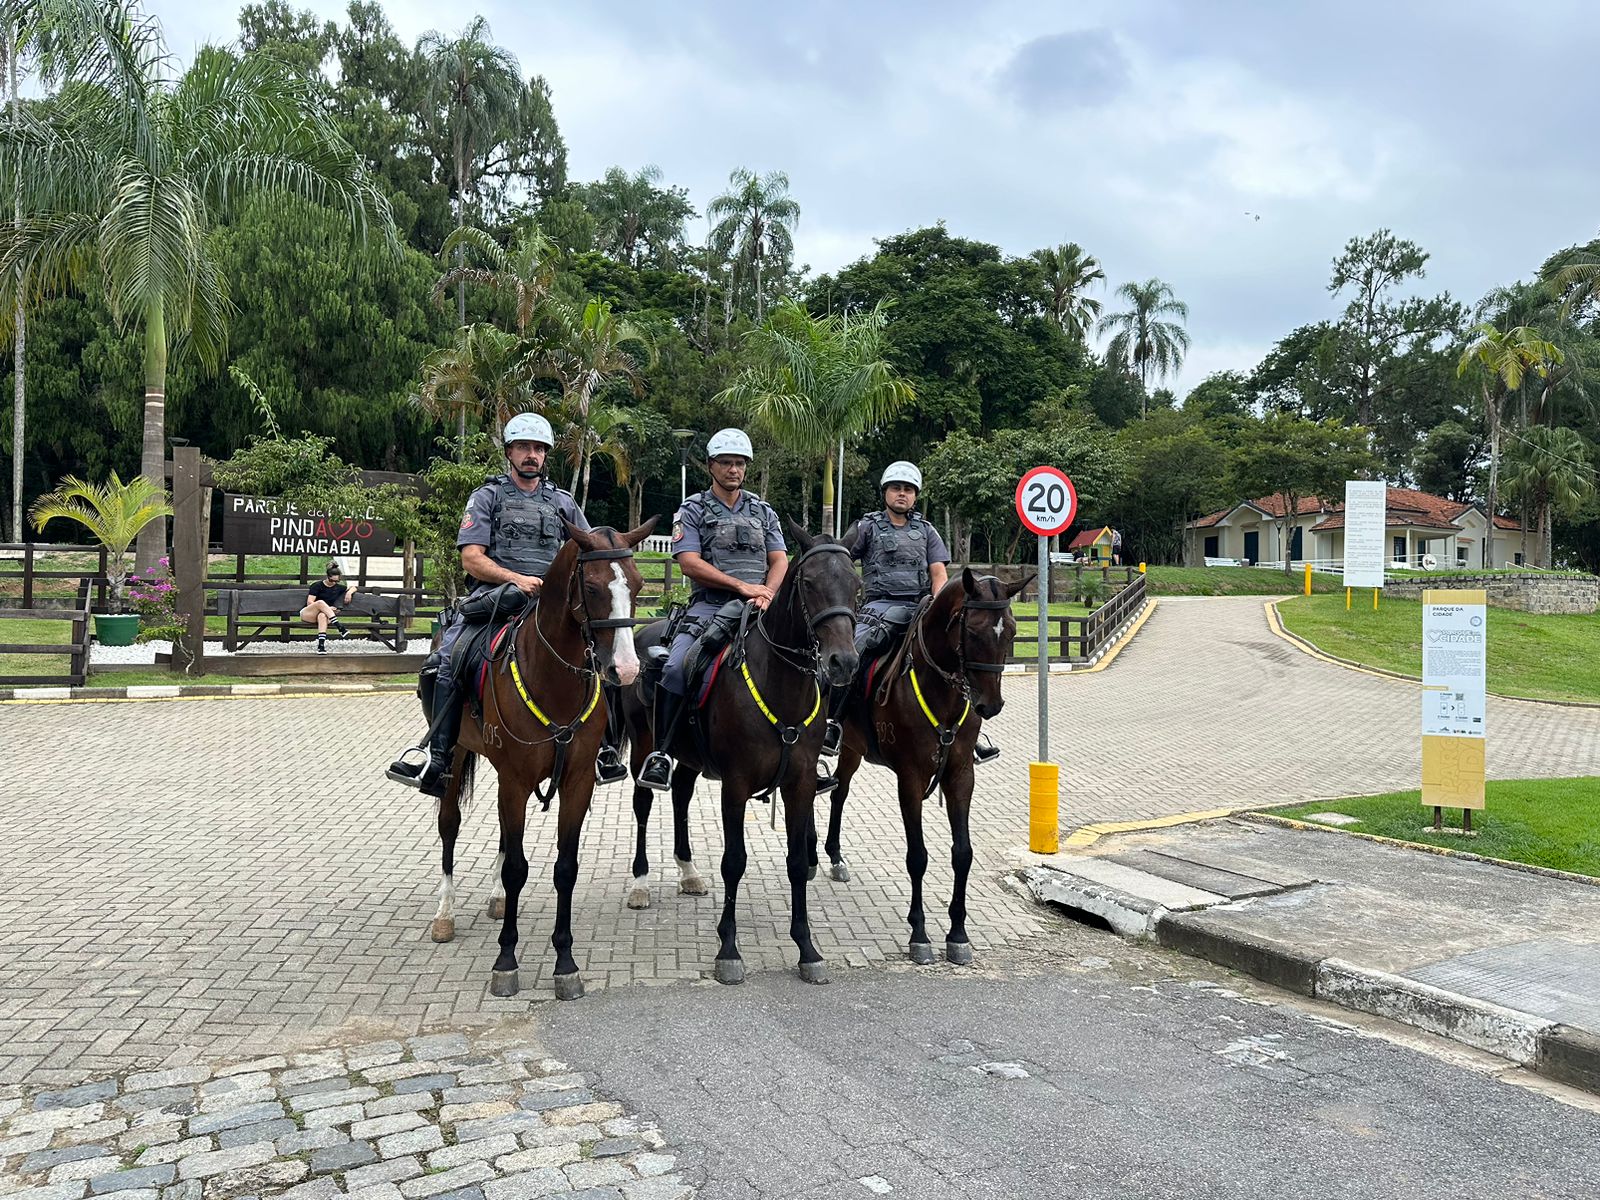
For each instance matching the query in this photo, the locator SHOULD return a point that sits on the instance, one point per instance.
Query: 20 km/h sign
(1046, 501)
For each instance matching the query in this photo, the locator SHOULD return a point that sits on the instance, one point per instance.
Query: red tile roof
(1407, 508)
(1089, 537)
(1271, 506)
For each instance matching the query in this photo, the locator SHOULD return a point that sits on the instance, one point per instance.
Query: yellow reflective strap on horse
(516, 678)
(928, 712)
(755, 694)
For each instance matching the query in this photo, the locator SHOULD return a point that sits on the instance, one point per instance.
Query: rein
(789, 735)
(562, 735)
(957, 679)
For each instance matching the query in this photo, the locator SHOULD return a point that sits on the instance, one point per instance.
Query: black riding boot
(656, 773)
(833, 732)
(608, 765)
(443, 707)
(985, 751)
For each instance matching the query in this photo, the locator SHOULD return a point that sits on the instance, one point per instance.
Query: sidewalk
(1503, 959)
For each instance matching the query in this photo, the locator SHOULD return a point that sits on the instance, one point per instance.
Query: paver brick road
(187, 881)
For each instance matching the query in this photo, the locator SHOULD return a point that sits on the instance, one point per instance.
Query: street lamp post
(684, 436)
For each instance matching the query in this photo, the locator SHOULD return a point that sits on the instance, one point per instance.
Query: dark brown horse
(921, 719)
(761, 728)
(540, 721)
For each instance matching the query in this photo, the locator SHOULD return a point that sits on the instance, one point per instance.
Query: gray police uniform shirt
(521, 530)
(736, 541)
(936, 551)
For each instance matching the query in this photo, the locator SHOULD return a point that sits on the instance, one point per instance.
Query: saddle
(885, 643)
(716, 635)
(488, 615)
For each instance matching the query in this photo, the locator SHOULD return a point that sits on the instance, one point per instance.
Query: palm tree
(127, 171)
(1503, 360)
(114, 512)
(754, 222)
(586, 350)
(601, 432)
(477, 88)
(525, 271)
(818, 381)
(480, 372)
(1144, 342)
(1549, 466)
(1068, 272)
(633, 215)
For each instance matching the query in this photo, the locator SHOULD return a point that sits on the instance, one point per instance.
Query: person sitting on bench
(326, 597)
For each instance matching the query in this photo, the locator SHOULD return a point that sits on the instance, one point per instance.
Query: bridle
(808, 659)
(582, 614)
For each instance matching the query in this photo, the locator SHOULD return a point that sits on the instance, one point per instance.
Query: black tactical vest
(526, 530)
(735, 542)
(896, 562)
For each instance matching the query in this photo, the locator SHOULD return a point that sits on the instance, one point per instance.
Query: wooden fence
(76, 651)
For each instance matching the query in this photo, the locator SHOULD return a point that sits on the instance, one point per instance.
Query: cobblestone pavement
(187, 882)
(433, 1117)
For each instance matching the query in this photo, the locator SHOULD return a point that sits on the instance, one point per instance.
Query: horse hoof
(922, 953)
(503, 983)
(692, 886)
(569, 987)
(841, 871)
(639, 897)
(811, 872)
(959, 953)
(814, 972)
(730, 970)
(443, 929)
(497, 908)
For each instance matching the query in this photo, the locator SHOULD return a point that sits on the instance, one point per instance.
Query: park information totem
(1455, 639)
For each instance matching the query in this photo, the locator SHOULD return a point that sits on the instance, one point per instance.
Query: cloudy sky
(1153, 132)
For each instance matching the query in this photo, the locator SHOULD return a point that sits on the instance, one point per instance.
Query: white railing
(658, 543)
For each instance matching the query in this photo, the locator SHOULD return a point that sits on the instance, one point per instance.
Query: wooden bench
(257, 611)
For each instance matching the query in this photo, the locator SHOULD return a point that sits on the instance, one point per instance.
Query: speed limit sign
(1046, 501)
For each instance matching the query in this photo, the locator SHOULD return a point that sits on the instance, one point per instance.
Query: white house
(1419, 525)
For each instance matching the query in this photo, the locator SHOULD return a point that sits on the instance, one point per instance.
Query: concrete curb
(1563, 1053)
(192, 691)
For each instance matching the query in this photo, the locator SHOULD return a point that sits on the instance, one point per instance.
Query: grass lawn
(35, 633)
(1545, 822)
(1540, 657)
(112, 677)
(1233, 581)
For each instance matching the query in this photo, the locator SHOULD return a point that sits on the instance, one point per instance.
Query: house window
(1213, 547)
(1400, 549)
(1517, 558)
(1461, 556)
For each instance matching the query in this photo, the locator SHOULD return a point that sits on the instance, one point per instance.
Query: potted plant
(114, 512)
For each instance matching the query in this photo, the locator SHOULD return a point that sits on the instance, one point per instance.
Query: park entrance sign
(266, 525)
(1047, 504)
(1366, 505)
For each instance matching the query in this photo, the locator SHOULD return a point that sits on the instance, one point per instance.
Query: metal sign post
(1046, 504)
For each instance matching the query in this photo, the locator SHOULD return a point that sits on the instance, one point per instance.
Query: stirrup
(608, 766)
(985, 751)
(656, 780)
(826, 784)
(832, 736)
(407, 771)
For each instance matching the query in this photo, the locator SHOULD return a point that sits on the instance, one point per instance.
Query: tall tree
(1293, 458)
(128, 168)
(1502, 360)
(1550, 468)
(524, 272)
(635, 219)
(1376, 327)
(1069, 270)
(1145, 342)
(818, 381)
(754, 224)
(479, 374)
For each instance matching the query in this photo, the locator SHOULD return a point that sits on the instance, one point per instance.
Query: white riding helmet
(901, 472)
(528, 427)
(730, 441)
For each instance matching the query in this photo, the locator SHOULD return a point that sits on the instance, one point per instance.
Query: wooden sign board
(265, 525)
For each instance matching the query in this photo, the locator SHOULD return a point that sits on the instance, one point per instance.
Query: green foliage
(1145, 343)
(113, 513)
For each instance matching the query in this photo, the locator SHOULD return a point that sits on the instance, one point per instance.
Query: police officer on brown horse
(729, 544)
(902, 558)
(510, 533)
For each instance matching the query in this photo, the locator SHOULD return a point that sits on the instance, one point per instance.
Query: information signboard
(1366, 505)
(266, 525)
(1454, 697)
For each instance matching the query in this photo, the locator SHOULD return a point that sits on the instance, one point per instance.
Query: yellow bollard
(1141, 568)
(1044, 804)
(1308, 579)
(1374, 599)
(1347, 599)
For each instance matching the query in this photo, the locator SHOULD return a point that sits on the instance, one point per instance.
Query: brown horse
(540, 721)
(761, 729)
(921, 720)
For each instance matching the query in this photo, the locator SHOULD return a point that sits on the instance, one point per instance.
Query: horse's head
(975, 613)
(601, 593)
(825, 590)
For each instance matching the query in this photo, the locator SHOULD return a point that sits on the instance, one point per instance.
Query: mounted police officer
(728, 542)
(903, 559)
(510, 533)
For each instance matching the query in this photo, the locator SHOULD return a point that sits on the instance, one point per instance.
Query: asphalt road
(1092, 1068)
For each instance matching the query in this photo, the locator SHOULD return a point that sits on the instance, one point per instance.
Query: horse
(540, 721)
(922, 717)
(759, 730)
